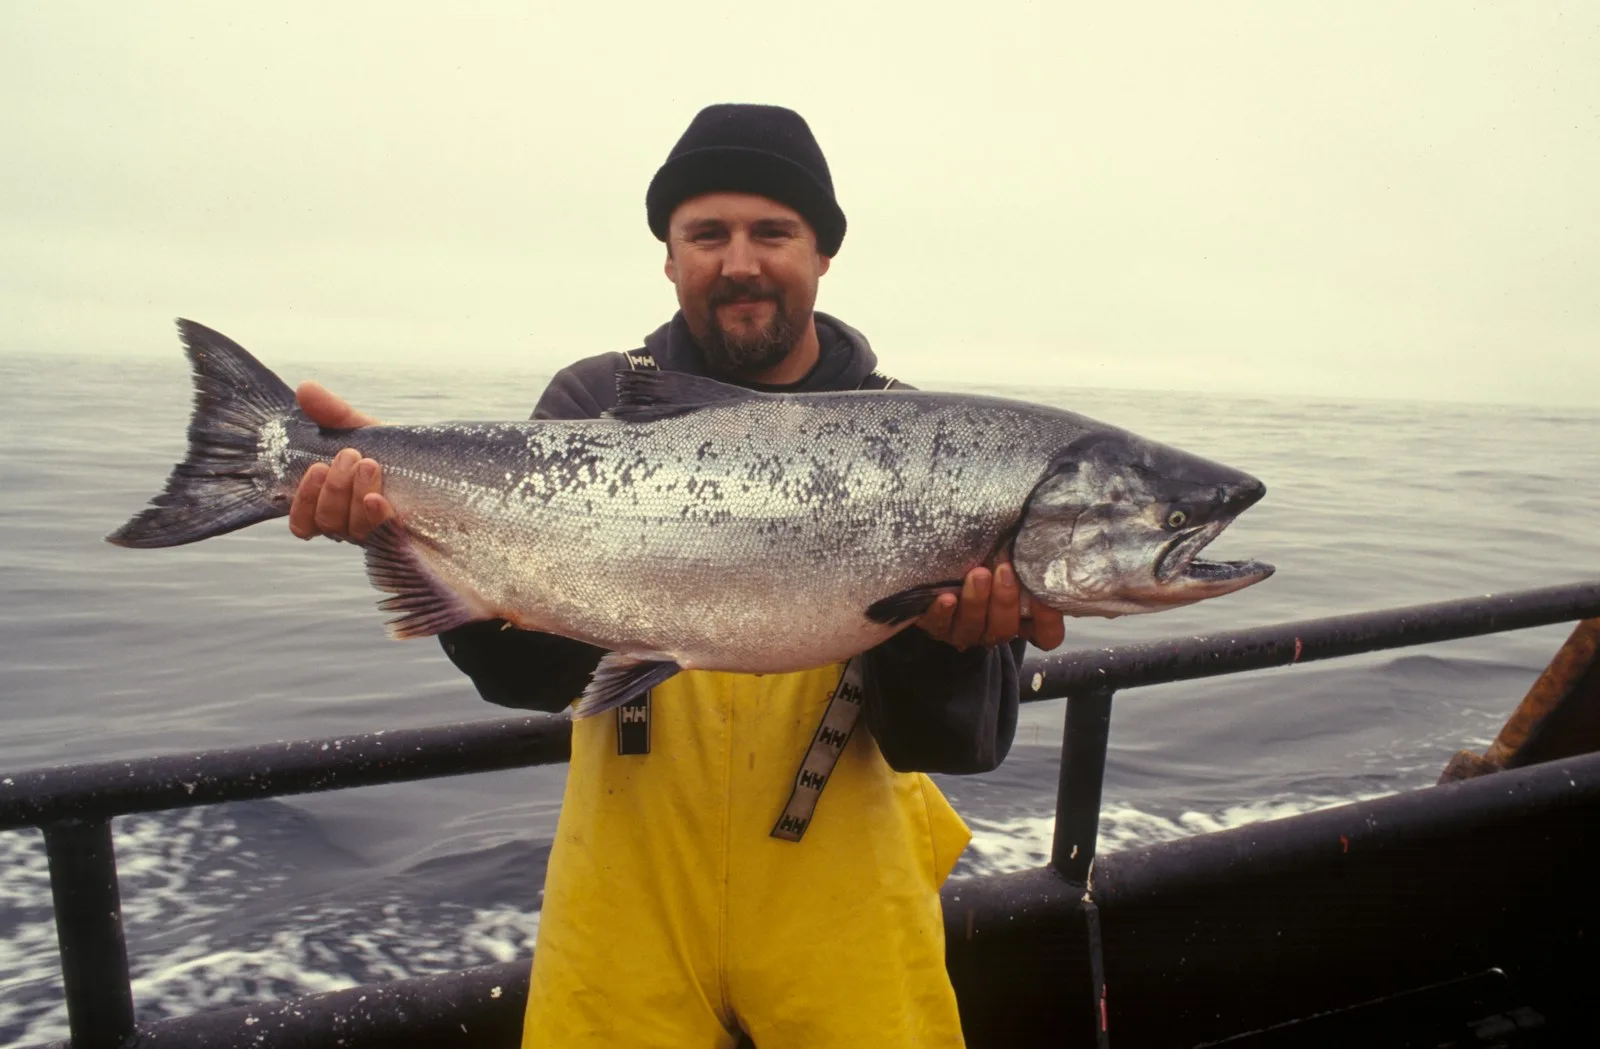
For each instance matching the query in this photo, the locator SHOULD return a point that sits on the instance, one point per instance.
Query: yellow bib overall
(672, 918)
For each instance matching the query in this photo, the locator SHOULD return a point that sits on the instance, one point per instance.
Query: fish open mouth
(1179, 562)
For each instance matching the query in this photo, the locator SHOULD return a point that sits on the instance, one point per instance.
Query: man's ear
(826, 262)
(670, 268)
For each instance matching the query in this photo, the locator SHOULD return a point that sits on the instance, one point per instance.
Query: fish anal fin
(645, 396)
(620, 678)
(426, 603)
(911, 603)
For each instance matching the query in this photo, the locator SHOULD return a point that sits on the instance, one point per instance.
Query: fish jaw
(1116, 527)
(1182, 578)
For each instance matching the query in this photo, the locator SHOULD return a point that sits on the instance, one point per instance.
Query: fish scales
(750, 535)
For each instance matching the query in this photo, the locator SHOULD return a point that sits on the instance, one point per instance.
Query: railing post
(94, 955)
(1083, 768)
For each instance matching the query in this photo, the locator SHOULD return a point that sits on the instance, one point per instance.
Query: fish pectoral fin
(620, 678)
(428, 605)
(909, 604)
(648, 396)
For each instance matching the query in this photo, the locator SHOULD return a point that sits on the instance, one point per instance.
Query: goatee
(746, 355)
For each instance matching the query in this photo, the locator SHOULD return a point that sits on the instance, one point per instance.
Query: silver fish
(706, 526)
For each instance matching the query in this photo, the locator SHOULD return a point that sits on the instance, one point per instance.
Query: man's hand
(989, 612)
(344, 500)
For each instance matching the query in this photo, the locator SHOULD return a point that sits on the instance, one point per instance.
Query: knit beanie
(767, 150)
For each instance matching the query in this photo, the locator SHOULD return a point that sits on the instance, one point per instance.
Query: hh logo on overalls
(633, 726)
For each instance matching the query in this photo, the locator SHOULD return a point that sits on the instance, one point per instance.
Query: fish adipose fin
(222, 484)
(620, 678)
(909, 604)
(427, 604)
(648, 396)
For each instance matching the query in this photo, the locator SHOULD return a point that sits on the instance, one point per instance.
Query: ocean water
(252, 637)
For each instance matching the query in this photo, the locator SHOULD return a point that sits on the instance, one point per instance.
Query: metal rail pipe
(117, 788)
(1207, 655)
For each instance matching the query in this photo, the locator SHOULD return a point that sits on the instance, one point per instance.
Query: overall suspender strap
(633, 717)
(838, 721)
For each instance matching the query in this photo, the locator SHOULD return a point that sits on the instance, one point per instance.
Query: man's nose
(740, 259)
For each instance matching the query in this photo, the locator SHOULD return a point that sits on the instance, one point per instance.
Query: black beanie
(767, 150)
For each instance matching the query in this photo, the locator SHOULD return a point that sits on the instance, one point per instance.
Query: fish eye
(1177, 519)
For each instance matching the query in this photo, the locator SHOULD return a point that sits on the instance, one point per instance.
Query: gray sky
(1342, 199)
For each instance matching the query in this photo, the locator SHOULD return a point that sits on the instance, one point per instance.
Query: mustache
(726, 291)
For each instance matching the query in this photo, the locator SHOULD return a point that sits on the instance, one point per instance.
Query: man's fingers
(378, 509)
(936, 620)
(1005, 600)
(303, 510)
(972, 610)
(326, 409)
(333, 505)
(368, 481)
(1049, 628)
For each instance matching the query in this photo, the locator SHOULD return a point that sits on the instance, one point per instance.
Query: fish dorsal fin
(644, 396)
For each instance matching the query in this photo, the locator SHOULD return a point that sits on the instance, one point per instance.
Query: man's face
(746, 269)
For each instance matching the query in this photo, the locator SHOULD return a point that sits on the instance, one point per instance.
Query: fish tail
(225, 482)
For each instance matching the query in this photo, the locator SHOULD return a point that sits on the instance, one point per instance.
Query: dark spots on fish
(822, 484)
(781, 529)
(576, 462)
(706, 515)
(946, 446)
(638, 470)
(828, 429)
(705, 451)
(885, 453)
(768, 470)
(706, 489)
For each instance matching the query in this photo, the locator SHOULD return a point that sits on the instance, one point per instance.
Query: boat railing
(73, 805)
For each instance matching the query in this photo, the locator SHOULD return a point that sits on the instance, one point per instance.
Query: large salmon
(707, 526)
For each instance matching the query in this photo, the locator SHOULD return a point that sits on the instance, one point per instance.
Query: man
(701, 883)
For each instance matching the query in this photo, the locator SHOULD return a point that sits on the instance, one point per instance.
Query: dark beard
(729, 354)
